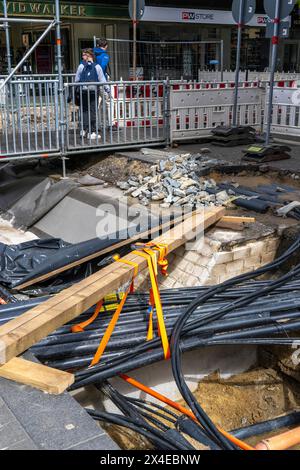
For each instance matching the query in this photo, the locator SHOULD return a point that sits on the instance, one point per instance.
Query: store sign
(67, 9)
(178, 15)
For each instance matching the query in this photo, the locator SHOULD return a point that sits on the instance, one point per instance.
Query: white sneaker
(82, 133)
(94, 136)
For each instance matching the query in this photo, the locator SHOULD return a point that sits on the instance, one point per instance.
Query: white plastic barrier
(286, 112)
(196, 110)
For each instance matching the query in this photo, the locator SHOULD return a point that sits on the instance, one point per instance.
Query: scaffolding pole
(7, 37)
(60, 86)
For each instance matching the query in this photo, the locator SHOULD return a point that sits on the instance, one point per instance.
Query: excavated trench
(237, 386)
(267, 386)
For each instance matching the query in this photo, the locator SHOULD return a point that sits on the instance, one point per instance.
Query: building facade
(188, 20)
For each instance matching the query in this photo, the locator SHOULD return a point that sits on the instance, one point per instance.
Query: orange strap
(136, 270)
(181, 409)
(149, 255)
(81, 326)
(115, 316)
(162, 260)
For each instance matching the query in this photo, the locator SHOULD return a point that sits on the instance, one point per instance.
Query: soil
(248, 398)
(114, 169)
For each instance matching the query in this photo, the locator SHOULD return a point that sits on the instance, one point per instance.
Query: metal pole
(60, 85)
(238, 64)
(134, 24)
(275, 40)
(7, 37)
(222, 60)
(28, 53)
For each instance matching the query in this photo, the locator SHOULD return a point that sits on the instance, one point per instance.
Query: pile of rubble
(174, 181)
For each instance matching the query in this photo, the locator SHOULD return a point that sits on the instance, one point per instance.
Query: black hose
(292, 419)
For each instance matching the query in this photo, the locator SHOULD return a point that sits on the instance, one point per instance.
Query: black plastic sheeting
(26, 261)
(27, 194)
(15, 181)
(39, 200)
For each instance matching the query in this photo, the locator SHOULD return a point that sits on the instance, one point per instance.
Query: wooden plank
(36, 375)
(21, 333)
(230, 218)
(105, 251)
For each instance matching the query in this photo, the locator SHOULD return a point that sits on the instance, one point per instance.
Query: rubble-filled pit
(265, 384)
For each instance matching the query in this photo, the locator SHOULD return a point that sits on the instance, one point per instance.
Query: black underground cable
(178, 330)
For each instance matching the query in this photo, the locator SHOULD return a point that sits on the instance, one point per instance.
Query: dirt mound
(113, 169)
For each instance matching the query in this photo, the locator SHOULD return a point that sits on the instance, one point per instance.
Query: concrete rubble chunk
(123, 185)
(175, 180)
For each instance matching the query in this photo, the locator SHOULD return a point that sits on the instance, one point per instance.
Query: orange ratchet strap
(115, 316)
(81, 326)
(150, 256)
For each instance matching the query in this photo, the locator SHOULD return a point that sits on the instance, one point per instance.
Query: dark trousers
(89, 110)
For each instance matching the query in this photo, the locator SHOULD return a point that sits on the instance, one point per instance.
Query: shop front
(81, 21)
(185, 24)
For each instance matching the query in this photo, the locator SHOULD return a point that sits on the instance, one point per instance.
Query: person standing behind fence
(103, 59)
(89, 71)
(102, 56)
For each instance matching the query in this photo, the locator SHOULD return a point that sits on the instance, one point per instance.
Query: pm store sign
(188, 16)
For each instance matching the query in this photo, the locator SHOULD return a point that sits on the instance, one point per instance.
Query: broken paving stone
(130, 191)
(186, 183)
(179, 192)
(222, 197)
(172, 182)
(123, 185)
(182, 201)
(162, 165)
(191, 190)
(176, 174)
(158, 196)
(137, 192)
(132, 182)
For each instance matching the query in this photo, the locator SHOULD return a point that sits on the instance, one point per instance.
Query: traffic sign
(140, 9)
(286, 7)
(248, 10)
(284, 29)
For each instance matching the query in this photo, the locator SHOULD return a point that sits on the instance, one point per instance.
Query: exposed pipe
(282, 441)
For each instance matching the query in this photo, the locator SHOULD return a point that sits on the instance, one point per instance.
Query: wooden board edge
(36, 375)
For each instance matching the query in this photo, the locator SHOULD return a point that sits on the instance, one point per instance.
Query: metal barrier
(196, 110)
(286, 112)
(115, 115)
(29, 118)
(129, 114)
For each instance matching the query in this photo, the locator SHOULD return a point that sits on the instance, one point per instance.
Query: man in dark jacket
(102, 57)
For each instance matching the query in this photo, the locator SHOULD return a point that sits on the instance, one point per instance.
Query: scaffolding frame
(54, 23)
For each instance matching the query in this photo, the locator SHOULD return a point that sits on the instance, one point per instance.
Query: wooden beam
(21, 333)
(230, 218)
(36, 375)
(105, 251)
(239, 226)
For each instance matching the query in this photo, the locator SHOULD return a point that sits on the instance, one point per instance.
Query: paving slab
(31, 419)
